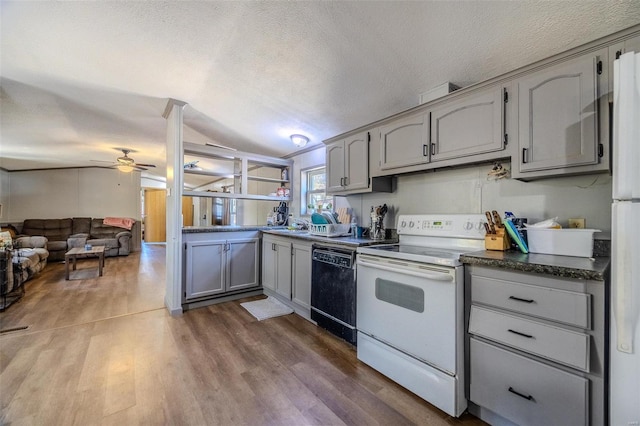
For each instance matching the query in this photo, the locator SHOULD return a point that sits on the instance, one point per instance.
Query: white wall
(83, 192)
(5, 199)
(467, 190)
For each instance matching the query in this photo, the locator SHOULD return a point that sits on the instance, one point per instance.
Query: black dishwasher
(333, 291)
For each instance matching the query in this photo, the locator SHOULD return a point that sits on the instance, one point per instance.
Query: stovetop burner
(434, 239)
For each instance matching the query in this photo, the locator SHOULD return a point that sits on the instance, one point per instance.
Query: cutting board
(343, 215)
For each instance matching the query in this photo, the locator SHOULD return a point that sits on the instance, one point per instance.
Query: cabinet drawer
(555, 343)
(525, 391)
(559, 305)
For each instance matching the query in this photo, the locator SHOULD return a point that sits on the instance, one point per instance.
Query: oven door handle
(437, 276)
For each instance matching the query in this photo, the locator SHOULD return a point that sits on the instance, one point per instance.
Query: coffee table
(73, 254)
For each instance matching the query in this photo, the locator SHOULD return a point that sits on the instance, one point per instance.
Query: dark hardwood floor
(105, 351)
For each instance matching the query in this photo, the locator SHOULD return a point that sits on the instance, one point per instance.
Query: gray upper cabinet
(335, 166)
(348, 163)
(473, 124)
(404, 142)
(348, 160)
(558, 116)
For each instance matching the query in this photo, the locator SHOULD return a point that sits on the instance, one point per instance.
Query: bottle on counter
(354, 226)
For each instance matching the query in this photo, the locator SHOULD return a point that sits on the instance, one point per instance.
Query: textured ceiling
(80, 79)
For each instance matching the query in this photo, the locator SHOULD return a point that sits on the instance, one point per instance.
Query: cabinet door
(335, 166)
(404, 142)
(269, 257)
(301, 274)
(557, 116)
(205, 268)
(356, 150)
(283, 268)
(242, 263)
(467, 126)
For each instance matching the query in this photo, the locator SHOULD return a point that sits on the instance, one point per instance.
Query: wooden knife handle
(496, 219)
(490, 223)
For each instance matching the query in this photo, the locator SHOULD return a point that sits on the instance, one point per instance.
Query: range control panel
(450, 225)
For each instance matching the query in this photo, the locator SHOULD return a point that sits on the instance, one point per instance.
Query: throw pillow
(6, 242)
(76, 242)
(10, 229)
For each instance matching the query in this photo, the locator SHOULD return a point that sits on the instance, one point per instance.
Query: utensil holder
(376, 229)
(498, 241)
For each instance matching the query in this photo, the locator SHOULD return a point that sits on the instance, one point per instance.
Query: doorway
(155, 215)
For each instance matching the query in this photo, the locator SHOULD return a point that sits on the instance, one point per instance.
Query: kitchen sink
(291, 231)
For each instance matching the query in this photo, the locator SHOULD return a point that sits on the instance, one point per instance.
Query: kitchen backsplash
(467, 190)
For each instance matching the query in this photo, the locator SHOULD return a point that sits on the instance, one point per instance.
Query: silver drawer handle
(521, 300)
(528, 336)
(529, 397)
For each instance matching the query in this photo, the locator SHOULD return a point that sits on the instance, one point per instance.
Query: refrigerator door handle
(625, 269)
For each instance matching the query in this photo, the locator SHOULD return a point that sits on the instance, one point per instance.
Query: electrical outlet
(577, 223)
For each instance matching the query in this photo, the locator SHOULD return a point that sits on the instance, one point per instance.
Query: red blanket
(120, 222)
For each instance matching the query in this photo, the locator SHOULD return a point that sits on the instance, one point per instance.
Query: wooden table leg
(100, 263)
(73, 257)
(66, 268)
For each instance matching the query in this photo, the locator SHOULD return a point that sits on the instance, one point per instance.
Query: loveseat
(30, 256)
(62, 234)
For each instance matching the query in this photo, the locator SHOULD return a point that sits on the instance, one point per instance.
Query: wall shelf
(209, 194)
(235, 165)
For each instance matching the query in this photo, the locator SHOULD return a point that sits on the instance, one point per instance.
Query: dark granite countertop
(340, 241)
(226, 228)
(562, 266)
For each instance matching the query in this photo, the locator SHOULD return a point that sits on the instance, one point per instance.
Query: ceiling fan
(126, 163)
(192, 165)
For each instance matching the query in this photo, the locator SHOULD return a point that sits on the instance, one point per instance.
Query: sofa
(63, 234)
(30, 256)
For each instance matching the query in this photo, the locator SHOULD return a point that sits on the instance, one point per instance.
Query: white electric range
(410, 305)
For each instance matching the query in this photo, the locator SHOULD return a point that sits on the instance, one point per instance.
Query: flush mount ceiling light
(299, 140)
(124, 168)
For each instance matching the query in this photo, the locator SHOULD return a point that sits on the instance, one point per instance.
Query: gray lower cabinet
(217, 267)
(562, 120)
(473, 124)
(301, 273)
(286, 271)
(276, 265)
(536, 348)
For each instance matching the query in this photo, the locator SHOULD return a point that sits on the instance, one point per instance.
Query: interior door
(187, 211)
(155, 215)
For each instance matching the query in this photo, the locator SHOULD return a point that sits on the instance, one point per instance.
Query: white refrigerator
(624, 395)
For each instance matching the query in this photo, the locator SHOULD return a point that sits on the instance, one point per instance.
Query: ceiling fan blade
(145, 165)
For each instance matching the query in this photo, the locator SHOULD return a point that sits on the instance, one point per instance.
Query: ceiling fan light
(299, 140)
(125, 160)
(124, 168)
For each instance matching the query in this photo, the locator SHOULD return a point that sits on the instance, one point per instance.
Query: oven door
(414, 307)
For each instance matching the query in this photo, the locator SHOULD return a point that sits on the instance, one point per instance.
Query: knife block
(498, 241)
